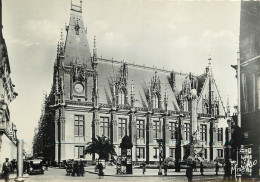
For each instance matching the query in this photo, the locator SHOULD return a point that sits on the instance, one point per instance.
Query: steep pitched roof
(201, 82)
(140, 77)
(76, 44)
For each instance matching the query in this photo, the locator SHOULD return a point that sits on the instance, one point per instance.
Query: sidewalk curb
(127, 175)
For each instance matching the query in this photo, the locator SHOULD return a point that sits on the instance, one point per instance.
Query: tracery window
(186, 131)
(78, 152)
(121, 97)
(140, 152)
(203, 132)
(104, 126)
(206, 108)
(220, 134)
(156, 129)
(79, 125)
(122, 129)
(172, 128)
(155, 101)
(140, 128)
(216, 110)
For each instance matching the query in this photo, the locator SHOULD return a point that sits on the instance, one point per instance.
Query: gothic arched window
(206, 108)
(156, 101)
(216, 110)
(121, 97)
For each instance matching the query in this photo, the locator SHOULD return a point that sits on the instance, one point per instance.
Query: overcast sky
(176, 35)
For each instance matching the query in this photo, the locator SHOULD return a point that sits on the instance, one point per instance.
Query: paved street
(55, 174)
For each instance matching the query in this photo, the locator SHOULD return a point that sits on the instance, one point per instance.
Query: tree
(101, 146)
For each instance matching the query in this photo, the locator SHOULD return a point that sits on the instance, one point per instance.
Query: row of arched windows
(122, 99)
(214, 110)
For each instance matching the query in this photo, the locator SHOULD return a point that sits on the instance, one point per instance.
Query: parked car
(36, 166)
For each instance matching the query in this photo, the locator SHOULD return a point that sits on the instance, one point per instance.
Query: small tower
(209, 65)
(94, 59)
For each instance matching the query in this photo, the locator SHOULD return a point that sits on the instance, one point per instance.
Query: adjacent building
(93, 96)
(249, 87)
(8, 131)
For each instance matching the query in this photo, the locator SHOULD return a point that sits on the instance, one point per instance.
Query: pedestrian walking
(189, 173)
(7, 168)
(165, 169)
(144, 167)
(217, 168)
(201, 168)
(100, 170)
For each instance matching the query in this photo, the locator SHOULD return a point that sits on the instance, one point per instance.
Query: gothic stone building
(92, 96)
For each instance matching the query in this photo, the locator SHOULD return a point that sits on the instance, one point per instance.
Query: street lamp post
(178, 145)
(159, 141)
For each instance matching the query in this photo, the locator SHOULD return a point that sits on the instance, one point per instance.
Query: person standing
(46, 165)
(7, 167)
(189, 173)
(144, 167)
(165, 169)
(201, 168)
(228, 169)
(82, 170)
(217, 168)
(75, 168)
(100, 170)
(194, 166)
(78, 168)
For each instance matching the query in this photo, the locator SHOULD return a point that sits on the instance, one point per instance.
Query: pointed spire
(165, 98)
(95, 47)
(209, 59)
(75, 7)
(72, 47)
(61, 34)
(58, 49)
(132, 95)
(94, 62)
(209, 65)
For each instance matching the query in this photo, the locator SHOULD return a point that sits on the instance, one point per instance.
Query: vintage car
(36, 166)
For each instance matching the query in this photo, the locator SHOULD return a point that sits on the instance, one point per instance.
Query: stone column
(132, 132)
(19, 160)
(212, 136)
(164, 131)
(193, 122)
(132, 127)
(95, 127)
(113, 127)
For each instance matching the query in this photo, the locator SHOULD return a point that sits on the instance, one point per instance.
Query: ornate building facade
(92, 96)
(249, 88)
(8, 130)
